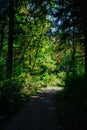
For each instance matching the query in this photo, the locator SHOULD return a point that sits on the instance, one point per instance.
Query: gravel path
(38, 114)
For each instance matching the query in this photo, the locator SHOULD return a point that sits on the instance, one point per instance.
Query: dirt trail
(38, 114)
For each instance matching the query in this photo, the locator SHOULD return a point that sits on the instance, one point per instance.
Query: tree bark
(2, 37)
(37, 50)
(85, 45)
(10, 40)
(73, 54)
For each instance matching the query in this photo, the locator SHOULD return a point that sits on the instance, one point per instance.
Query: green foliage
(2, 68)
(40, 55)
(46, 77)
(10, 89)
(76, 87)
(72, 103)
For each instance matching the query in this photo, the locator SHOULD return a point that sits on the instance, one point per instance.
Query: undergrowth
(13, 94)
(72, 104)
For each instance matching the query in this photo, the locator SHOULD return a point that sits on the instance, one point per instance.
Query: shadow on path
(38, 114)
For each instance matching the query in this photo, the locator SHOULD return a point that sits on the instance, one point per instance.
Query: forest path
(37, 114)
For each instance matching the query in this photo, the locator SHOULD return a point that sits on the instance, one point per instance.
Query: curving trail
(37, 114)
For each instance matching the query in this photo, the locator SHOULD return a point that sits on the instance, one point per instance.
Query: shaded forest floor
(39, 113)
(71, 115)
(46, 110)
(8, 110)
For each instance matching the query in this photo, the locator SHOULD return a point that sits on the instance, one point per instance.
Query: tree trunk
(73, 55)
(85, 45)
(2, 37)
(37, 50)
(10, 40)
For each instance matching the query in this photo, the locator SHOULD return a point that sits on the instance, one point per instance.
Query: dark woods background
(44, 42)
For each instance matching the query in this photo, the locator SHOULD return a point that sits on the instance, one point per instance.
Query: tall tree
(71, 14)
(10, 39)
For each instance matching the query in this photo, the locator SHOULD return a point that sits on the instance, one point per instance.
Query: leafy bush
(11, 90)
(72, 103)
(76, 89)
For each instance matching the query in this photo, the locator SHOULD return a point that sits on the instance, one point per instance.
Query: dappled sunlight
(38, 113)
(43, 53)
(46, 92)
(35, 97)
